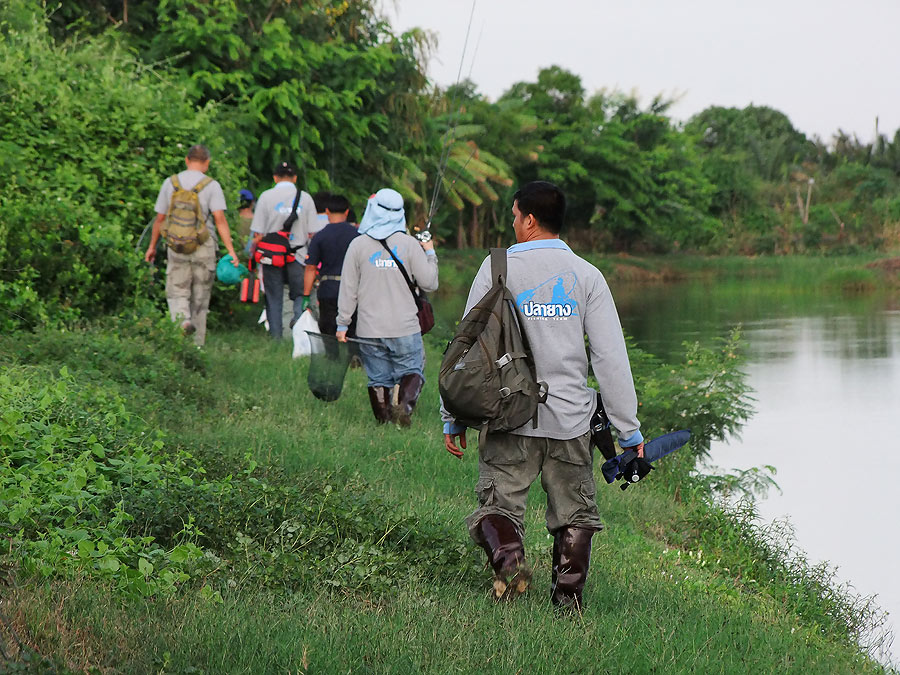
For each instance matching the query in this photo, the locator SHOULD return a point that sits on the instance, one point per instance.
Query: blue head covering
(384, 214)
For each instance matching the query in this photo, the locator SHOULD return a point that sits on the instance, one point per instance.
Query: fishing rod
(137, 248)
(455, 176)
(425, 234)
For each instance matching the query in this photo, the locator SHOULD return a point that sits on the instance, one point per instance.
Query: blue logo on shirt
(383, 259)
(553, 299)
(284, 208)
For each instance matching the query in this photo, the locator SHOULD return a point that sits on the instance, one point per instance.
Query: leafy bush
(89, 134)
(707, 392)
(69, 449)
(88, 487)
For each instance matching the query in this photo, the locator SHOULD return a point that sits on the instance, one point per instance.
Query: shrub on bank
(88, 135)
(87, 486)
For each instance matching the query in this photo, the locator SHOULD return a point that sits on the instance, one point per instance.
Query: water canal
(826, 374)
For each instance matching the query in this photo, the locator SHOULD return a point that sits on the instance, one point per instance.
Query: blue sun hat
(384, 214)
(227, 273)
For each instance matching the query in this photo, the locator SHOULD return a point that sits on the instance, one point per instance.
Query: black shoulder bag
(424, 311)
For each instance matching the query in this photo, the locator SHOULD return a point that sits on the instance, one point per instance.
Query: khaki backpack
(487, 378)
(184, 227)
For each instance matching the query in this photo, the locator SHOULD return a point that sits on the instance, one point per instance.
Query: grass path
(651, 609)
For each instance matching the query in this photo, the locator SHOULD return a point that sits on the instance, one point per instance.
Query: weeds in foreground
(324, 553)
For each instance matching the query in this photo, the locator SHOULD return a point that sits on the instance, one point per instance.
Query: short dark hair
(545, 202)
(351, 216)
(284, 170)
(338, 204)
(322, 199)
(198, 153)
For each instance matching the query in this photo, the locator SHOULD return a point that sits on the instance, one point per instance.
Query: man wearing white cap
(373, 285)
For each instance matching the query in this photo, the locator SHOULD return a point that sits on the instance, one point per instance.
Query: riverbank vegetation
(163, 510)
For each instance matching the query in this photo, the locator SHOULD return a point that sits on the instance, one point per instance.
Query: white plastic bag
(306, 322)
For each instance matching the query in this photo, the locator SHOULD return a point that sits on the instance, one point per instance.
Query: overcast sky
(826, 64)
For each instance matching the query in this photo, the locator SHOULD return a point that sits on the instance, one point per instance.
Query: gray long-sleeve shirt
(561, 298)
(373, 286)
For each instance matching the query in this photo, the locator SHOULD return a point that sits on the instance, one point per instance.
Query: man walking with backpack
(559, 299)
(283, 208)
(190, 209)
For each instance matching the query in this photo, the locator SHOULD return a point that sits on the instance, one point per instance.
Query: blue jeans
(393, 358)
(274, 279)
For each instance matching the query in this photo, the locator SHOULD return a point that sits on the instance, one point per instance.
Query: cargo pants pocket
(588, 492)
(484, 490)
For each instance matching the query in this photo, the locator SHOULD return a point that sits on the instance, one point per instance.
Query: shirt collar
(285, 183)
(539, 243)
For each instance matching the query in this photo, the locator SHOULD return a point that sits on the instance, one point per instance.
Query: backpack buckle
(505, 391)
(503, 360)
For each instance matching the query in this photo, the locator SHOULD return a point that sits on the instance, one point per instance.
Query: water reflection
(826, 377)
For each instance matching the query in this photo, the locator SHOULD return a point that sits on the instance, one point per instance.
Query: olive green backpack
(487, 377)
(185, 228)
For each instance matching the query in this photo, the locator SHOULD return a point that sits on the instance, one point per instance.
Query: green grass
(655, 603)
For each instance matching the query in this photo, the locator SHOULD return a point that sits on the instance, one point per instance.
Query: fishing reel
(424, 236)
(633, 471)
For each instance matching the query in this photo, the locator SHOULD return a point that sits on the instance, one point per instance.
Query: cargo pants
(507, 466)
(189, 282)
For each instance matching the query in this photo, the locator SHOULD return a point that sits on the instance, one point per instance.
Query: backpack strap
(175, 183)
(498, 266)
(292, 216)
(409, 282)
(206, 180)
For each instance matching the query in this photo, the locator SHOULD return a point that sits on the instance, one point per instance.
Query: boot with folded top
(500, 539)
(407, 396)
(571, 559)
(380, 398)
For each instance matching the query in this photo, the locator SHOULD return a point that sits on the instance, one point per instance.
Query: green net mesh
(329, 360)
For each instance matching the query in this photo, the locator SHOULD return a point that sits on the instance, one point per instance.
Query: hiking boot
(380, 398)
(500, 539)
(571, 559)
(187, 328)
(408, 394)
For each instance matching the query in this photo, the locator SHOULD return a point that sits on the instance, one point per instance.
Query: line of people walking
(363, 293)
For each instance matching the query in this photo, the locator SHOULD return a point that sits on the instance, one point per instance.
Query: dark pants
(274, 281)
(328, 310)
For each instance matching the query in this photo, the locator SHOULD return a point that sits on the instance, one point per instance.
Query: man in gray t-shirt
(272, 211)
(190, 276)
(561, 298)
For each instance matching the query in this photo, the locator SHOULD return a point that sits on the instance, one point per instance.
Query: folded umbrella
(632, 468)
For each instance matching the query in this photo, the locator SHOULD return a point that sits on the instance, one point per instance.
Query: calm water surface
(826, 375)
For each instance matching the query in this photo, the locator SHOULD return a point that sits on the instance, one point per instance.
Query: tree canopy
(100, 98)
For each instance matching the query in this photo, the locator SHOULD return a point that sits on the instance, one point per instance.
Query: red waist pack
(274, 249)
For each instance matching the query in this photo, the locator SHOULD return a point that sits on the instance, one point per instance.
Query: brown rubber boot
(408, 394)
(500, 539)
(571, 559)
(380, 398)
